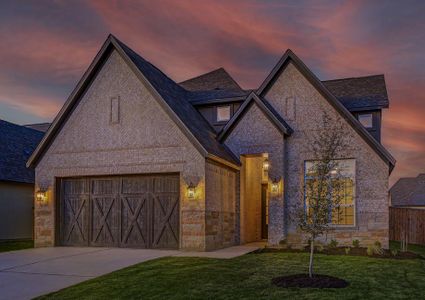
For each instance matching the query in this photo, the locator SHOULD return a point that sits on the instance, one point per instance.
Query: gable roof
(408, 191)
(169, 95)
(289, 56)
(217, 79)
(360, 93)
(265, 107)
(16, 145)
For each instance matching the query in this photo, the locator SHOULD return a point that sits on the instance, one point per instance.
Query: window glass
(340, 188)
(223, 113)
(366, 120)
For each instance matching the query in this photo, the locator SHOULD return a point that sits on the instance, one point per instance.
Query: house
(408, 192)
(134, 159)
(16, 180)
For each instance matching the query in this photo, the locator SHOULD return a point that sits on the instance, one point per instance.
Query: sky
(46, 46)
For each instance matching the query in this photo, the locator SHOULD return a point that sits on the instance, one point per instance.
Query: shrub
(320, 247)
(394, 252)
(347, 250)
(333, 244)
(370, 250)
(377, 248)
(356, 243)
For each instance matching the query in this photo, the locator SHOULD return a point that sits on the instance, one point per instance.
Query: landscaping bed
(354, 251)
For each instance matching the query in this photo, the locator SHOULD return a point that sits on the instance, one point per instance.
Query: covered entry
(119, 211)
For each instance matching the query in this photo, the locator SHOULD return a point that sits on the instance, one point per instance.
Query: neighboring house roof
(16, 145)
(43, 127)
(215, 80)
(361, 93)
(408, 191)
(288, 57)
(265, 107)
(171, 96)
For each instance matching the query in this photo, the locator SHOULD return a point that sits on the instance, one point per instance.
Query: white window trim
(336, 226)
(371, 119)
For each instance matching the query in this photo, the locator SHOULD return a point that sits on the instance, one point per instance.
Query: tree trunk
(310, 268)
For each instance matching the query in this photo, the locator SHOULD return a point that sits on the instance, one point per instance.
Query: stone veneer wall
(220, 206)
(255, 134)
(145, 140)
(293, 91)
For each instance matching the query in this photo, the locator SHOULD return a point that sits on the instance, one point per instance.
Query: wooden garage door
(131, 211)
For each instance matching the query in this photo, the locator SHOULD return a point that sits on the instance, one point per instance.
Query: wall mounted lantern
(41, 196)
(275, 186)
(191, 191)
(266, 165)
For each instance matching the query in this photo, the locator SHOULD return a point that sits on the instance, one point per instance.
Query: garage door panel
(129, 211)
(75, 212)
(105, 222)
(166, 221)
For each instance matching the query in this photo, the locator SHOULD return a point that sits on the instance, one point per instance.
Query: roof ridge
(349, 78)
(201, 75)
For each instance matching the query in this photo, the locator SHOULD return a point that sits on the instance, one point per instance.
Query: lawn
(249, 277)
(15, 245)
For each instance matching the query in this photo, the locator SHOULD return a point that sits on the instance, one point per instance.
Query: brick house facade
(134, 159)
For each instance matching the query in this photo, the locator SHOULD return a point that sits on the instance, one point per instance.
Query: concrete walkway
(29, 273)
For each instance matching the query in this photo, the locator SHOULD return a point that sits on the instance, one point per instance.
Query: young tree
(323, 191)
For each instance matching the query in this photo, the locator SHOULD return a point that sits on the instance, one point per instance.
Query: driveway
(25, 274)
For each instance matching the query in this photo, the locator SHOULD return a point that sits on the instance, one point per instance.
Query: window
(340, 187)
(223, 113)
(366, 120)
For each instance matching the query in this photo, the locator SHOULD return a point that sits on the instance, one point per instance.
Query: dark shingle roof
(409, 191)
(177, 99)
(361, 93)
(217, 79)
(16, 145)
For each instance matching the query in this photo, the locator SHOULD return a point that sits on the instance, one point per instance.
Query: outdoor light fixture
(191, 189)
(275, 186)
(266, 165)
(41, 196)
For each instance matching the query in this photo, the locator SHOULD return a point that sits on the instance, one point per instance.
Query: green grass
(249, 277)
(15, 245)
(418, 249)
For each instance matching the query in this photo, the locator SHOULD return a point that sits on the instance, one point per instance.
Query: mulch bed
(304, 281)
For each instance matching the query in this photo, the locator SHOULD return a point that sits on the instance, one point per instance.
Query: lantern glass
(191, 192)
(275, 187)
(266, 165)
(41, 196)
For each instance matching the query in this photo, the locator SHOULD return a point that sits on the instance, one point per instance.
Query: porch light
(191, 189)
(266, 165)
(275, 186)
(41, 197)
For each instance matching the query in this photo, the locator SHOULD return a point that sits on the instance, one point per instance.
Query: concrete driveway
(25, 274)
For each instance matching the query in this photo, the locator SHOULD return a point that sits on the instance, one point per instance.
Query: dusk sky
(47, 45)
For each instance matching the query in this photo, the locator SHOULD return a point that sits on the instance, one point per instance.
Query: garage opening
(119, 211)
